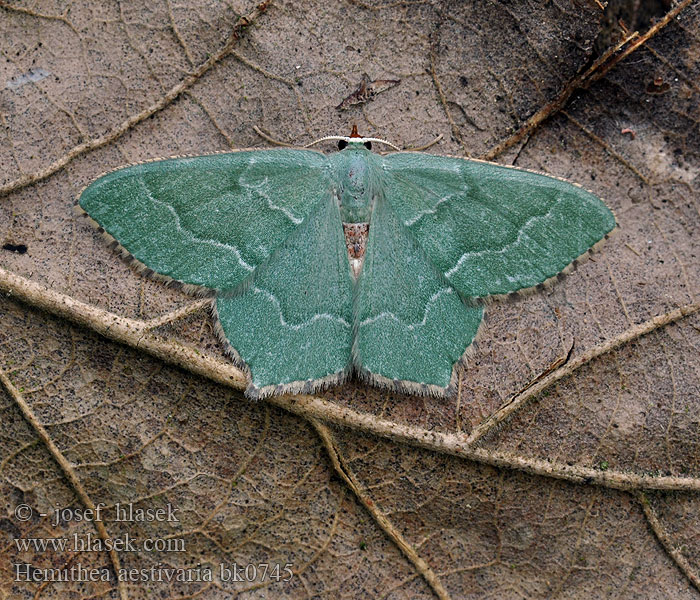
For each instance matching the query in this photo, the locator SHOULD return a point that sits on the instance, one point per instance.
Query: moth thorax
(356, 242)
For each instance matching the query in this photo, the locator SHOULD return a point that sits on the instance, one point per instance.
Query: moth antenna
(348, 139)
(326, 139)
(381, 141)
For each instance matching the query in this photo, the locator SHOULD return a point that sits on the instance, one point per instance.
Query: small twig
(68, 471)
(502, 413)
(179, 313)
(385, 524)
(642, 39)
(270, 139)
(520, 399)
(443, 101)
(578, 82)
(178, 35)
(425, 146)
(609, 59)
(264, 72)
(660, 532)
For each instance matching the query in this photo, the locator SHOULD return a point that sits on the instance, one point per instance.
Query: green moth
(323, 266)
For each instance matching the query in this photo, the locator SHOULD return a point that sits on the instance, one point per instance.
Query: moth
(327, 265)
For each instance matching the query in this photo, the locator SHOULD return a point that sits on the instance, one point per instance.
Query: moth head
(343, 143)
(353, 141)
(356, 137)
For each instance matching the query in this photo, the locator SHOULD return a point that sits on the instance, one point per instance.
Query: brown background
(359, 515)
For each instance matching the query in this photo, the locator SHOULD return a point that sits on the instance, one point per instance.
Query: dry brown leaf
(569, 464)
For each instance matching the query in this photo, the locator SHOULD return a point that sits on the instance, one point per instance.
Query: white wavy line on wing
(517, 240)
(427, 211)
(258, 187)
(410, 326)
(272, 298)
(285, 211)
(193, 237)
